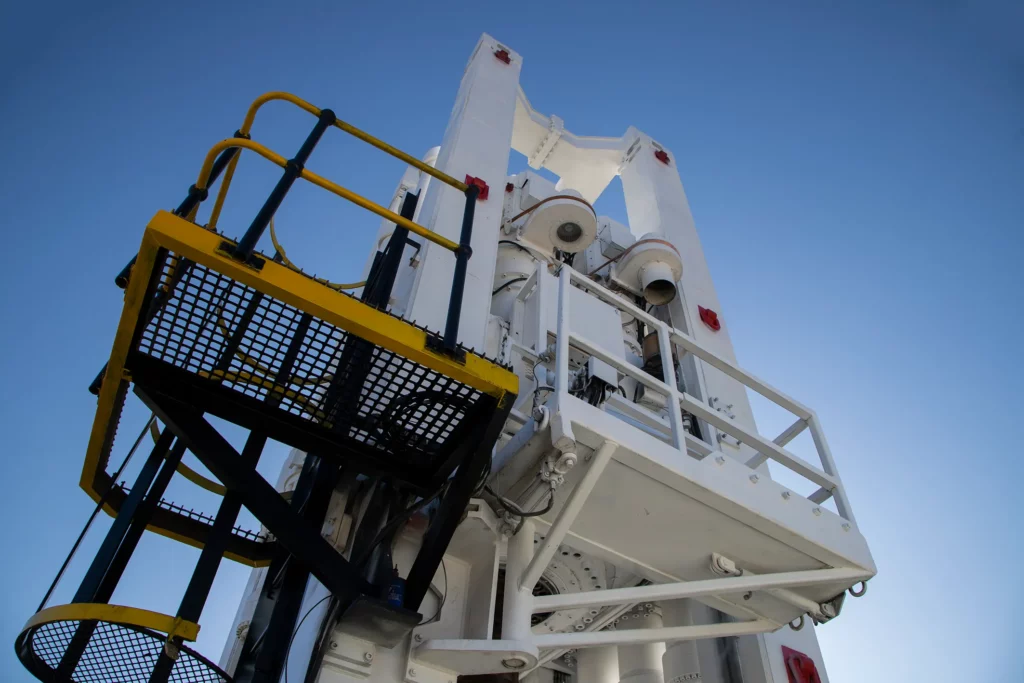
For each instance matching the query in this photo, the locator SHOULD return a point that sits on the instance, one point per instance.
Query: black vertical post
(107, 568)
(382, 278)
(462, 254)
(191, 607)
(112, 541)
(198, 590)
(292, 170)
(195, 196)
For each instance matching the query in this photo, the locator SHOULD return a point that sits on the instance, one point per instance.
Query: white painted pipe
(518, 603)
(550, 641)
(597, 665)
(680, 662)
(641, 663)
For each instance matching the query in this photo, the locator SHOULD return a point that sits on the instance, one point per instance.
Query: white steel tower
(629, 529)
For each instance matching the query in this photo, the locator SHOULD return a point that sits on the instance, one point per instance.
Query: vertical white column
(656, 202)
(518, 603)
(680, 662)
(597, 665)
(477, 142)
(642, 663)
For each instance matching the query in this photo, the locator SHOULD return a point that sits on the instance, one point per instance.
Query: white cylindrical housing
(597, 665)
(641, 663)
(658, 283)
(653, 265)
(514, 265)
(680, 662)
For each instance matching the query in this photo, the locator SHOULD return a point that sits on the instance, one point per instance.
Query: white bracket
(543, 151)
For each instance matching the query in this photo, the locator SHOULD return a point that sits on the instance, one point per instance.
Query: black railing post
(292, 170)
(462, 254)
(195, 196)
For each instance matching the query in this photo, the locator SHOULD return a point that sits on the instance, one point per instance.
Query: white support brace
(652, 635)
(791, 432)
(695, 589)
(555, 129)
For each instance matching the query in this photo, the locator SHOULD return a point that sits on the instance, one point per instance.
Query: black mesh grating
(124, 654)
(228, 333)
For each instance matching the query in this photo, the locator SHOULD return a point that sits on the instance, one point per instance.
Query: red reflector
(661, 155)
(509, 187)
(503, 56)
(478, 182)
(799, 667)
(709, 318)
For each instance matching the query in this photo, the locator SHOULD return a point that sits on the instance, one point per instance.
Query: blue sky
(855, 171)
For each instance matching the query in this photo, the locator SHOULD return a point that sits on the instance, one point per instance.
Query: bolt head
(368, 656)
(720, 459)
(846, 526)
(817, 512)
(412, 673)
(418, 638)
(786, 495)
(753, 478)
(334, 645)
(514, 663)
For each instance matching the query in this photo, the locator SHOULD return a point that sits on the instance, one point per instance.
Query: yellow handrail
(250, 118)
(399, 154)
(211, 156)
(116, 614)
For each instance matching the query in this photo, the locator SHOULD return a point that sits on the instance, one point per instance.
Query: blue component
(396, 591)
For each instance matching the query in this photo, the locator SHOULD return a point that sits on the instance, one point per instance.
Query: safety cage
(211, 327)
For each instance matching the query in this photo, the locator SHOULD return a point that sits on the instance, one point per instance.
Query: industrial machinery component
(212, 327)
(653, 266)
(587, 500)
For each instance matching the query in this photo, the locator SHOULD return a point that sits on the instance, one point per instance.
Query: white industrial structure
(629, 529)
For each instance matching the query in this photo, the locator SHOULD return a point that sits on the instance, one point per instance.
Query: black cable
(444, 596)
(288, 650)
(506, 284)
(516, 510)
(516, 245)
(92, 517)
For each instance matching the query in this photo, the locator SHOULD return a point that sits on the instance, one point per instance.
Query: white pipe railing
(826, 477)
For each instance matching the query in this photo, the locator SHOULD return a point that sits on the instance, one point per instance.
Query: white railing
(826, 477)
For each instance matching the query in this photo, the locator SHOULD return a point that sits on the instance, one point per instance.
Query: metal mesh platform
(277, 352)
(231, 335)
(115, 652)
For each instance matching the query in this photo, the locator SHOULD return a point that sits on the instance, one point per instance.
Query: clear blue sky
(856, 173)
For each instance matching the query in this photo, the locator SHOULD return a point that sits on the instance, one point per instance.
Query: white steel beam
(668, 373)
(791, 432)
(825, 453)
(563, 331)
(696, 589)
(651, 635)
(820, 496)
(566, 516)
